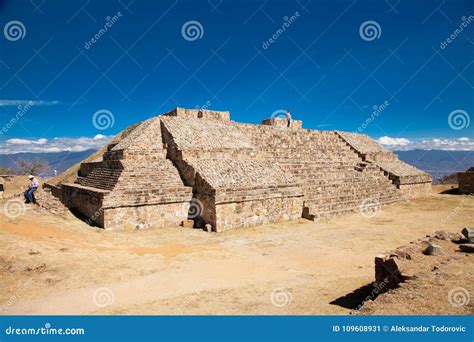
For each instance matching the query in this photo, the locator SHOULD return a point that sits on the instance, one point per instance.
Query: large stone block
(466, 181)
(468, 233)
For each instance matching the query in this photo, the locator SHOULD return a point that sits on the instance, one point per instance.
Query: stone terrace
(411, 181)
(200, 165)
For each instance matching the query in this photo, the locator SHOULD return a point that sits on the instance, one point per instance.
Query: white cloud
(15, 141)
(459, 144)
(7, 103)
(17, 145)
(394, 141)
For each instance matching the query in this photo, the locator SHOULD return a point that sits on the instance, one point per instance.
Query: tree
(6, 171)
(33, 167)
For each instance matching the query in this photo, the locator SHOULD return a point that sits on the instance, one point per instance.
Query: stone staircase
(348, 193)
(335, 178)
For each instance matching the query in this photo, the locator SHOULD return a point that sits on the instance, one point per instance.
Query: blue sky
(249, 57)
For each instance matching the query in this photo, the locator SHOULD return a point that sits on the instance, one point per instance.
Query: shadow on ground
(356, 298)
(453, 191)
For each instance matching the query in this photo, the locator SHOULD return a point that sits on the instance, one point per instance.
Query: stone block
(466, 181)
(467, 247)
(380, 271)
(433, 249)
(187, 223)
(468, 232)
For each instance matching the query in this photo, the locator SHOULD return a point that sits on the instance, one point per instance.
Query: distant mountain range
(59, 161)
(438, 163)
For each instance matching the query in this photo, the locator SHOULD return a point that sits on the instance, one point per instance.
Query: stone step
(343, 185)
(315, 213)
(326, 197)
(330, 202)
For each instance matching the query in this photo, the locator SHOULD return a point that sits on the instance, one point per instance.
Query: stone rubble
(46, 201)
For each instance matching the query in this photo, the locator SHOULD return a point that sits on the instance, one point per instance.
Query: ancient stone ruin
(200, 165)
(466, 181)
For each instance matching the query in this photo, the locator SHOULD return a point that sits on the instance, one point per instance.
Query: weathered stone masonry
(466, 181)
(155, 173)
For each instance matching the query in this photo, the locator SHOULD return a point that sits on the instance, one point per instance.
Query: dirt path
(50, 265)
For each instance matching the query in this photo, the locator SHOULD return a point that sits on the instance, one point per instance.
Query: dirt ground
(54, 265)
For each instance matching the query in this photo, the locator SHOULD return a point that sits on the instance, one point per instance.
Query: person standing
(29, 194)
(288, 118)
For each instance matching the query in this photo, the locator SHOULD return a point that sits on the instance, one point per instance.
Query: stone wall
(87, 201)
(416, 190)
(146, 216)
(250, 213)
(466, 181)
(283, 123)
(199, 114)
(87, 168)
